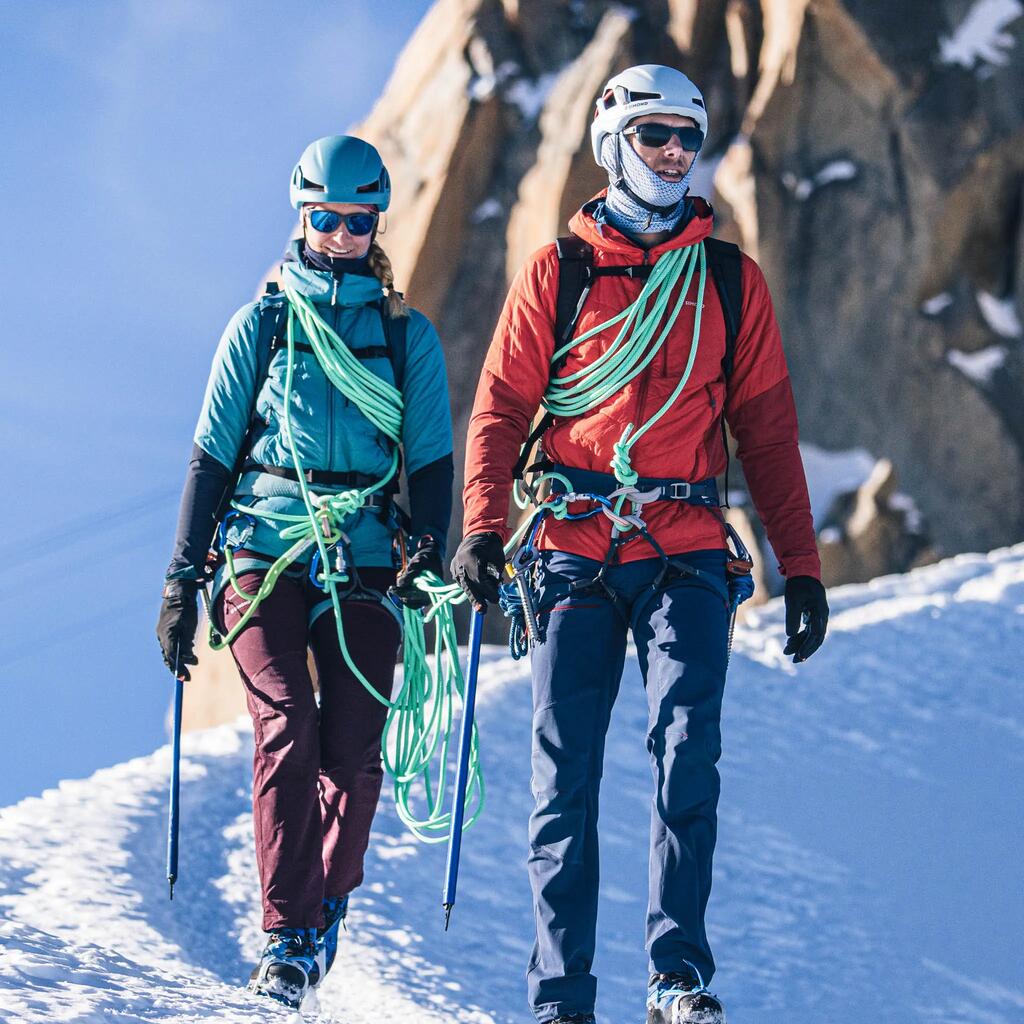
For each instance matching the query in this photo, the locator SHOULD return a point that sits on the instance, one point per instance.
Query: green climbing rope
(634, 347)
(419, 747)
(632, 350)
(418, 730)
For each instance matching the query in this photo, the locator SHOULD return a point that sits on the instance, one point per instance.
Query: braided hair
(381, 267)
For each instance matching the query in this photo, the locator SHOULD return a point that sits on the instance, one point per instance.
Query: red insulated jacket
(685, 444)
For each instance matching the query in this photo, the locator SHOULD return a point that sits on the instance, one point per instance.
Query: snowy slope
(869, 863)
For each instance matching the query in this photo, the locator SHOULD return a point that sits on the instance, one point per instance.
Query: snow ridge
(869, 862)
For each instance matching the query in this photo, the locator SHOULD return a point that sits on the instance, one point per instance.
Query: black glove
(478, 566)
(176, 627)
(426, 559)
(805, 597)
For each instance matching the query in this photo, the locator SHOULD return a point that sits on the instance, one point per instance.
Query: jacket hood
(321, 286)
(604, 238)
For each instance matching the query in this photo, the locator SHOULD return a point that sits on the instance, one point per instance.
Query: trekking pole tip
(170, 883)
(447, 914)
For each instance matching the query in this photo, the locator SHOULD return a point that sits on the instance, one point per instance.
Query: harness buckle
(680, 490)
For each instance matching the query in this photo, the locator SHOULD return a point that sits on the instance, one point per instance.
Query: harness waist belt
(588, 481)
(324, 477)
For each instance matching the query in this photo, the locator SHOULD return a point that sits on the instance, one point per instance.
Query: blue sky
(145, 162)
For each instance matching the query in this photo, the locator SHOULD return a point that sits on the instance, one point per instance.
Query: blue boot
(335, 912)
(285, 969)
(679, 997)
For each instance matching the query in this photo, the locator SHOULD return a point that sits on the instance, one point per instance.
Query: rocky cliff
(869, 154)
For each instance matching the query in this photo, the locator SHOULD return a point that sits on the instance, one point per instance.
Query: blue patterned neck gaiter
(622, 211)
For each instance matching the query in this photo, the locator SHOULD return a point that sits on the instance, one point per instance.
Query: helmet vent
(381, 184)
(635, 96)
(313, 186)
(698, 102)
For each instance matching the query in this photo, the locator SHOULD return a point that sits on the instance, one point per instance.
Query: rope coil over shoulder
(417, 733)
(644, 326)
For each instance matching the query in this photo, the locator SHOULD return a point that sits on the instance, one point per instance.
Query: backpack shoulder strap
(575, 271)
(396, 329)
(726, 264)
(575, 277)
(272, 334)
(273, 326)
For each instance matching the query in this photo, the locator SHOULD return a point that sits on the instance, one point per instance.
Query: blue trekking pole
(172, 815)
(458, 807)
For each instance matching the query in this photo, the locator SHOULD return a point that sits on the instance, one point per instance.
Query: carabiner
(222, 532)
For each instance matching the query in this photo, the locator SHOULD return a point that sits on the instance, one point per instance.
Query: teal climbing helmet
(341, 169)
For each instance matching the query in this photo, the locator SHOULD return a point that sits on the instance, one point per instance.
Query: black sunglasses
(327, 221)
(654, 135)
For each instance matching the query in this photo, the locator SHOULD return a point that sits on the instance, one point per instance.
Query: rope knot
(621, 467)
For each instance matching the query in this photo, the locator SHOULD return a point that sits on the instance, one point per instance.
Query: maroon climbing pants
(317, 771)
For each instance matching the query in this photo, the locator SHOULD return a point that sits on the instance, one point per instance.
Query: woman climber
(310, 540)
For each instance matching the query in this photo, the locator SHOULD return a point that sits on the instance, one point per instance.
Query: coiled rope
(418, 730)
(634, 347)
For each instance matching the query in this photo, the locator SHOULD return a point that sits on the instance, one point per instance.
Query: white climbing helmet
(645, 89)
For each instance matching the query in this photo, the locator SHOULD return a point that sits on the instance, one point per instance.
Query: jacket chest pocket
(674, 358)
(307, 378)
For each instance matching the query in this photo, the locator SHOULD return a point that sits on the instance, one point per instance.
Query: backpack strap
(270, 332)
(726, 262)
(396, 330)
(575, 279)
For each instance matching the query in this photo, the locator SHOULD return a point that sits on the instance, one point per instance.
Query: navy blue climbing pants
(680, 631)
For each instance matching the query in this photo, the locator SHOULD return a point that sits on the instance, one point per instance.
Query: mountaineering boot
(335, 912)
(679, 997)
(287, 966)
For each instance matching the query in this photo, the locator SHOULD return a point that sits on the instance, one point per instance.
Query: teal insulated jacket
(329, 432)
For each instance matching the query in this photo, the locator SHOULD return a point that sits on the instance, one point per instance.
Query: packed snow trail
(868, 867)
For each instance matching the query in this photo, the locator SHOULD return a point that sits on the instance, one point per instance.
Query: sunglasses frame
(346, 219)
(673, 130)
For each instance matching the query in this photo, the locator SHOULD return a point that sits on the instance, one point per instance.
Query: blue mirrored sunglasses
(327, 222)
